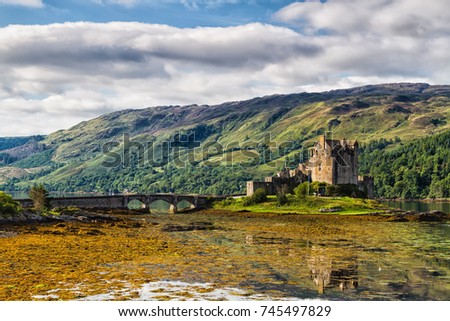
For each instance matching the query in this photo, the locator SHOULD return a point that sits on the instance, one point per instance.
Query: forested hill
(15, 148)
(419, 169)
(216, 149)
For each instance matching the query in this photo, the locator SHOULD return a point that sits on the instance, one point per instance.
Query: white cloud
(124, 3)
(56, 75)
(196, 4)
(416, 18)
(190, 4)
(88, 69)
(23, 3)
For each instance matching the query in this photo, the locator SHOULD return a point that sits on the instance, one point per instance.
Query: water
(419, 206)
(238, 256)
(332, 258)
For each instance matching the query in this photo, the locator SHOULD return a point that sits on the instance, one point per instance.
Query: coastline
(93, 215)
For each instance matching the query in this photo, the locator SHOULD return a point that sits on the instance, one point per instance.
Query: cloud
(23, 3)
(190, 4)
(375, 39)
(56, 75)
(91, 68)
(415, 18)
(196, 4)
(124, 3)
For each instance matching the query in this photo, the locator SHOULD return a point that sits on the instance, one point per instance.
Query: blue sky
(63, 62)
(174, 13)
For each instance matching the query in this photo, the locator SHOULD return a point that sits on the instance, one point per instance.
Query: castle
(331, 161)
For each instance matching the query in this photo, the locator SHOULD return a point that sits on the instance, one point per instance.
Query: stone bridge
(122, 201)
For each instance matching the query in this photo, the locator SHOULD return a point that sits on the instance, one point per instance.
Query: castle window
(320, 166)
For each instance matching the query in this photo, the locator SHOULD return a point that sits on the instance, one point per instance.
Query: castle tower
(334, 161)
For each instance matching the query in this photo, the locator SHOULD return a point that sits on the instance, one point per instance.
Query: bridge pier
(173, 209)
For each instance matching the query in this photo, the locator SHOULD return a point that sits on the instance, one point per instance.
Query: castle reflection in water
(331, 271)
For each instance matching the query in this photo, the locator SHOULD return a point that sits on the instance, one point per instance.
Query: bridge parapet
(122, 201)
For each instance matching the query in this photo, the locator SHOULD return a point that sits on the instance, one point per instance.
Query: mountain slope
(215, 149)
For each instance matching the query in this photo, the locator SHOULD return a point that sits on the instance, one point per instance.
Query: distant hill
(12, 142)
(13, 149)
(234, 138)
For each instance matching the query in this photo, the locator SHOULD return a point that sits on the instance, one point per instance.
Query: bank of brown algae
(77, 259)
(265, 255)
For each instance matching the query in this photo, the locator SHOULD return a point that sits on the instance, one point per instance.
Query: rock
(194, 226)
(92, 232)
(5, 234)
(434, 216)
(330, 209)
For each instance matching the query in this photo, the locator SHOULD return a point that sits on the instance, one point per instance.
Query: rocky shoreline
(103, 216)
(413, 216)
(29, 216)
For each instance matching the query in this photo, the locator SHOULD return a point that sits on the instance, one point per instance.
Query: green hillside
(418, 169)
(215, 149)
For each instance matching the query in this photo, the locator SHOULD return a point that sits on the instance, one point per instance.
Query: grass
(309, 205)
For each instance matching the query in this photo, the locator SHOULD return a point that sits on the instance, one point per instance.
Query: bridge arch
(161, 206)
(184, 204)
(136, 204)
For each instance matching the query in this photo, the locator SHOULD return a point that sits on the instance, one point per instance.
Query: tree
(282, 199)
(39, 196)
(7, 205)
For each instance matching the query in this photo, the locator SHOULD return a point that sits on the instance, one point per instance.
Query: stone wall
(366, 184)
(283, 182)
(346, 167)
(253, 186)
(113, 202)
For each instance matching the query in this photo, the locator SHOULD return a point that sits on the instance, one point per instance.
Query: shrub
(8, 206)
(319, 188)
(302, 190)
(282, 199)
(259, 196)
(39, 196)
(322, 188)
(247, 201)
(332, 190)
(351, 190)
(226, 202)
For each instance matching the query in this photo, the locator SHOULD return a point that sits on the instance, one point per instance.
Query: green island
(307, 205)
